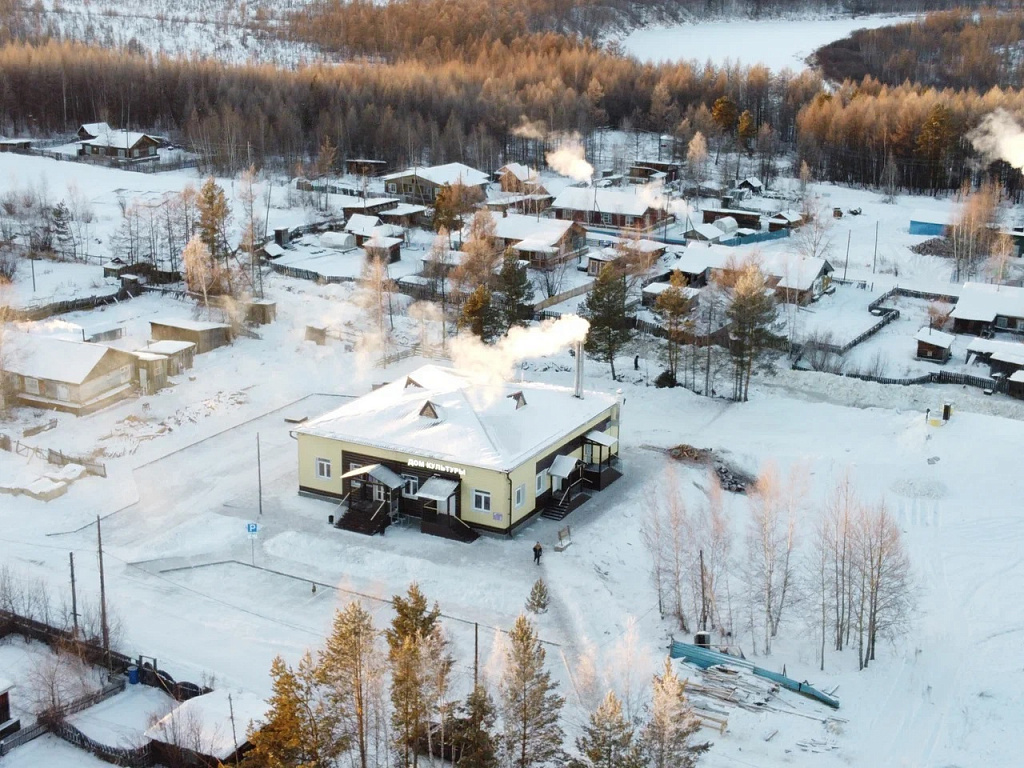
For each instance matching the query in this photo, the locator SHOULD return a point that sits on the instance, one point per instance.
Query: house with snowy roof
(934, 345)
(519, 178)
(422, 184)
(544, 243)
(207, 730)
(459, 454)
(8, 723)
(205, 335)
(123, 145)
(92, 130)
(639, 208)
(73, 376)
(985, 307)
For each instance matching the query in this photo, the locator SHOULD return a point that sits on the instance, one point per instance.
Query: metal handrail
(374, 515)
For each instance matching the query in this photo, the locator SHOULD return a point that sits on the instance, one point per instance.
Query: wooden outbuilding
(8, 723)
(180, 355)
(362, 166)
(934, 345)
(150, 372)
(746, 219)
(205, 335)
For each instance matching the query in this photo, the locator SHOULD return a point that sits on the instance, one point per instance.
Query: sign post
(253, 530)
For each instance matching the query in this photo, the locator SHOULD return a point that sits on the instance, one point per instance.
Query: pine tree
(474, 741)
(478, 315)
(607, 741)
(605, 308)
(63, 237)
(752, 313)
(299, 729)
(725, 114)
(746, 129)
(530, 707)
(350, 666)
(668, 735)
(416, 667)
(212, 205)
(516, 293)
(672, 306)
(539, 599)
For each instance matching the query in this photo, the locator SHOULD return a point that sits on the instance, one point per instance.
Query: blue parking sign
(252, 528)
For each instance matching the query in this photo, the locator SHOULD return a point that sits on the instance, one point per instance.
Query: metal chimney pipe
(578, 388)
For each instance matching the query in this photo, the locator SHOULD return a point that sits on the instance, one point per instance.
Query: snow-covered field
(194, 591)
(776, 43)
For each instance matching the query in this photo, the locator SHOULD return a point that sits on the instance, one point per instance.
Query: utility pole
(849, 234)
(104, 627)
(476, 652)
(874, 257)
(74, 596)
(703, 598)
(259, 472)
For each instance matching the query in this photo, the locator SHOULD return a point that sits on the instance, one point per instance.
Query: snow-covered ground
(778, 44)
(122, 720)
(193, 590)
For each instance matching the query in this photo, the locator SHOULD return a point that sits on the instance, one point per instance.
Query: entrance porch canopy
(601, 438)
(563, 466)
(438, 489)
(378, 472)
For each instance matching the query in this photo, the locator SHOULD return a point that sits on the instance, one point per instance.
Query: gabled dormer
(518, 398)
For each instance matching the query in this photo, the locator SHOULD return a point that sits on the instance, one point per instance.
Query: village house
(652, 291)
(73, 376)
(15, 145)
(150, 372)
(632, 209)
(205, 335)
(519, 178)
(458, 455)
(8, 723)
(124, 145)
(984, 308)
(934, 345)
(650, 171)
(788, 219)
(364, 227)
(421, 185)
(544, 243)
(649, 251)
(1004, 358)
(405, 215)
(180, 355)
(746, 219)
(795, 279)
(363, 167)
(382, 247)
(92, 130)
(752, 184)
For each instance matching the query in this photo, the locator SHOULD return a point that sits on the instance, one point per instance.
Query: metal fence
(758, 237)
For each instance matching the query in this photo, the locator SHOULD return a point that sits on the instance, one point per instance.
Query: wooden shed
(205, 335)
(150, 372)
(934, 345)
(8, 723)
(1015, 385)
(261, 311)
(180, 355)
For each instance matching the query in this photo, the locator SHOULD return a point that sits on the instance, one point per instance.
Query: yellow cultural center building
(458, 456)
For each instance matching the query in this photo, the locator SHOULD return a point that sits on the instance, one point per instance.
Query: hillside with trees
(954, 49)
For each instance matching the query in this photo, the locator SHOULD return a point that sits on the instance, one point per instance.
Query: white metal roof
(167, 347)
(437, 489)
(708, 232)
(520, 171)
(451, 173)
(983, 301)
(95, 129)
(53, 359)
(118, 139)
(362, 224)
(935, 338)
(634, 202)
(601, 438)
(563, 466)
(273, 250)
(479, 424)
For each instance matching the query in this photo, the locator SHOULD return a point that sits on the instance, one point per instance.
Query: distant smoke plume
(1000, 137)
(570, 160)
(496, 362)
(530, 130)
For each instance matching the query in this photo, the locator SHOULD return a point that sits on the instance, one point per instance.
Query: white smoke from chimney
(496, 362)
(1000, 137)
(530, 130)
(570, 160)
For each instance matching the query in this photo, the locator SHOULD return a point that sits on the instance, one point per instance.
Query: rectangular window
(606, 218)
(629, 221)
(481, 501)
(355, 482)
(520, 496)
(410, 486)
(380, 492)
(1001, 322)
(323, 469)
(392, 187)
(542, 481)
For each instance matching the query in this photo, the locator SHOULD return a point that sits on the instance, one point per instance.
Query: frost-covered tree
(608, 739)
(610, 323)
(668, 736)
(529, 705)
(752, 312)
(198, 267)
(514, 293)
(475, 738)
(539, 599)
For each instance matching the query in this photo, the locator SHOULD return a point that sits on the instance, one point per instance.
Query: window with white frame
(392, 187)
(357, 481)
(520, 495)
(630, 220)
(410, 486)
(481, 500)
(542, 481)
(606, 218)
(323, 469)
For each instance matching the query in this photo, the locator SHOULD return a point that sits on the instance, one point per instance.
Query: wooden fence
(572, 293)
(51, 456)
(934, 377)
(141, 757)
(71, 305)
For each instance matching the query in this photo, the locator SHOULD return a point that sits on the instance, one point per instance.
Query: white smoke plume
(530, 130)
(496, 362)
(1000, 137)
(570, 160)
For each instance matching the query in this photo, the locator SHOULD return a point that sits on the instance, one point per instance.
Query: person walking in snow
(538, 550)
